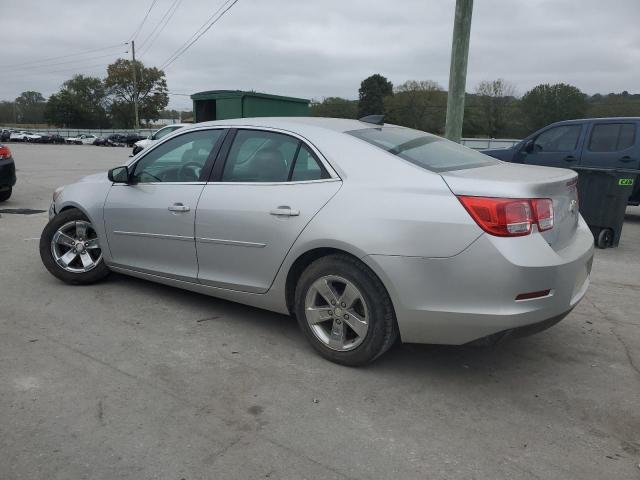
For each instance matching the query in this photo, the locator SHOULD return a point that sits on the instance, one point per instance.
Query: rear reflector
(509, 217)
(530, 295)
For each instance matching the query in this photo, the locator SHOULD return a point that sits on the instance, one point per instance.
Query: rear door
(264, 194)
(612, 144)
(557, 146)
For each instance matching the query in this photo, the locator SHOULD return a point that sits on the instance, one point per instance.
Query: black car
(132, 138)
(7, 173)
(5, 135)
(601, 143)
(50, 138)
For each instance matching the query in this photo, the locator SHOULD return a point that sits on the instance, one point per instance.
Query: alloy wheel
(337, 313)
(75, 247)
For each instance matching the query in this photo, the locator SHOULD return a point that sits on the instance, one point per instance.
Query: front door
(150, 221)
(269, 189)
(555, 147)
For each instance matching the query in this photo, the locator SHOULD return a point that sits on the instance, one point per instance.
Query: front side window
(558, 139)
(261, 156)
(180, 159)
(612, 137)
(422, 149)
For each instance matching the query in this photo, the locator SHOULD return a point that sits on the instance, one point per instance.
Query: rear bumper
(7, 173)
(470, 296)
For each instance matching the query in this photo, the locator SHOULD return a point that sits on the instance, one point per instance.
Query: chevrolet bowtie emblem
(573, 206)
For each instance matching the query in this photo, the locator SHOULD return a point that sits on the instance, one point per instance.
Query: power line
(178, 53)
(169, 15)
(135, 34)
(61, 63)
(76, 70)
(46, 60)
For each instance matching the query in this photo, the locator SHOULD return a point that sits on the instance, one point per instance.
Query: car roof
(297, 124)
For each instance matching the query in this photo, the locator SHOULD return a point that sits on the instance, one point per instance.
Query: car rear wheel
(70, 250)
(344, 310)
(5, 194)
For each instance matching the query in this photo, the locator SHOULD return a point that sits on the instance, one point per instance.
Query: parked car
(5, 135)
(365, 232)
(51, 138)
(156, 136)
(132, 138)
(82, 139)
(590, 142)
(7, 173)
(23, 136)
(113, 140)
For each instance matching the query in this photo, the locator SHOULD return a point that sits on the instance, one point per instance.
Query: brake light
(543, 212)
(4, 152)
(509, 217)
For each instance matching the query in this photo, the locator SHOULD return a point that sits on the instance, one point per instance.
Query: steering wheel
(190, 172)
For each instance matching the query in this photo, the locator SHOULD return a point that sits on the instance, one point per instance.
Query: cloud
(325, 48)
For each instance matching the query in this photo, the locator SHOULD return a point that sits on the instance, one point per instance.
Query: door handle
(285, 211)
(179, 207)
(626, 159)
(570, 158)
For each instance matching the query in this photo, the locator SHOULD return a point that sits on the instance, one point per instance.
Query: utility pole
(458, 70)
(135, 84)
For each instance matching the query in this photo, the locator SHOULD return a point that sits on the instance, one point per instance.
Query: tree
(495, 102)
(30, 107)
(417, 104)
(80, 103)
(151, 92)
(546, 104)
(372, 92)
(334, 107)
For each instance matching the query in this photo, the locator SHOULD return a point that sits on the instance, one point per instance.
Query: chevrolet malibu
(367, 233)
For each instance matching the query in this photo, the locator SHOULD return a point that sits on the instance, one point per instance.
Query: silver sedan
(368, 233)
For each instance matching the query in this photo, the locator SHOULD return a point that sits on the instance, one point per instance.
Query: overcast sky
(320, 48)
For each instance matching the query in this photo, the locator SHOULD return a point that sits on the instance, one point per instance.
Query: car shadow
(513, 357)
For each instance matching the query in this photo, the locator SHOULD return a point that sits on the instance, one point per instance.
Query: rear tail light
(543, 211)
(4, 152)
(509, 217)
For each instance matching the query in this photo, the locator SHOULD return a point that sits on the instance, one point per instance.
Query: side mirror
(119, 175)
(528, 147)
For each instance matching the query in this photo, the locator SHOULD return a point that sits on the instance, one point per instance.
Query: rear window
(422, 149)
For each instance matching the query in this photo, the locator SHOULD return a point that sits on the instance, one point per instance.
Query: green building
(223, 104)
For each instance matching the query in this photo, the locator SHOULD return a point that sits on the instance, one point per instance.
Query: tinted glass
(558, 139)
(422, 149)
(612, 137)
(307, 167)
(180, 159)
(259, 156)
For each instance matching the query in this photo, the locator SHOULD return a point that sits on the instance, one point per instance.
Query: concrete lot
(129, 379)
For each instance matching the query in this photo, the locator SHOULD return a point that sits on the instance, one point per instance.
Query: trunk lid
(509, 180)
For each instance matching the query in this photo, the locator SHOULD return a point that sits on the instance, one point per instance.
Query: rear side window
(612, 137)
(558, 139)
(422, 149)
(306, 167)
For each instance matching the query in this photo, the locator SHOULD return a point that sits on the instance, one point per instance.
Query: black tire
(99, 272)
(4, 196)
(382, 331)
(605, 238)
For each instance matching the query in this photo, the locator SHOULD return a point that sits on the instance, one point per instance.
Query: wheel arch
(306, 258)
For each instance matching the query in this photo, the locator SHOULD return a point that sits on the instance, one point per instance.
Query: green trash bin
(603, 195)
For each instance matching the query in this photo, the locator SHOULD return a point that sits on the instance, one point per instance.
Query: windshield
(423, 149)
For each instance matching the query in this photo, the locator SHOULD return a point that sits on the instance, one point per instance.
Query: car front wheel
(344, 310)
(70, 250)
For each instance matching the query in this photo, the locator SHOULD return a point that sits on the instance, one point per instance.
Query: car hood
(143, 143)
(95, 178)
